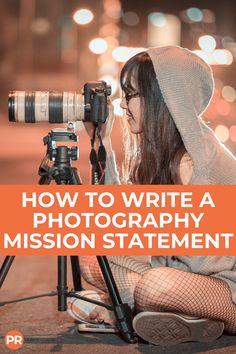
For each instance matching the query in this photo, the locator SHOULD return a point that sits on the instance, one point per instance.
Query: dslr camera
(61, 107)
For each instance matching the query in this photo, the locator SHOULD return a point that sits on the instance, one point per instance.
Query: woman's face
(131, 104)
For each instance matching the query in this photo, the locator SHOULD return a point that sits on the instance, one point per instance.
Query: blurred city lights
(223, 56)
(232, 133)
(157, 19)
(228, 93)
(217, 57)
(194, 14)
(222, 133)
(130, 18)
(207, 43)
(207, 57)
(41, 26)
(109, 29)
(112, 42)
(110, 81)
(98, 45)
(122, 54)
(118, 111)
(113, 9)
(83, 16)
(166, 32)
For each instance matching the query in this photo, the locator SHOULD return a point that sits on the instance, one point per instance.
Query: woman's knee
(156, 284)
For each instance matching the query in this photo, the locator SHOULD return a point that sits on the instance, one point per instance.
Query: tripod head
(56, 165)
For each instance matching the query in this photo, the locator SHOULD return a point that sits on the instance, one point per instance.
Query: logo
(14, 339)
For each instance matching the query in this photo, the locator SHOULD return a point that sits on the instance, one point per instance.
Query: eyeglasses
(129, 95)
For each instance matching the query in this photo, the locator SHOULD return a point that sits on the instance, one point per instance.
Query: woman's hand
(106, 128)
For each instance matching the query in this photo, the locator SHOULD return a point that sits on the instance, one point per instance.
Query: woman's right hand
(106, 127)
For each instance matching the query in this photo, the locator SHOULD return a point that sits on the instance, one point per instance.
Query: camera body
(61, 107)
(95, 99)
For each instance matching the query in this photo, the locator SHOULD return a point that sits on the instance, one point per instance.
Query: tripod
(62, 172)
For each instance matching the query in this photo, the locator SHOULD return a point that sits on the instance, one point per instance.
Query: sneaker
(162, 328)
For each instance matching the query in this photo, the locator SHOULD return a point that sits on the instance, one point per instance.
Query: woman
(165, 90)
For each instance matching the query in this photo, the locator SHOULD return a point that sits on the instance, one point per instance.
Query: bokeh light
(228, 93)
(118, 111)
(113, 9)
(41, 26)
(98, 45)
(130, 18)
(163, 30)
(157, 19)
(222, 133)
(207, 57)
(223, 56)
(112, 42)
(217, 57)
(122, 54)
(207, 43)
(109, 29)
(194, 14)
(83, 16)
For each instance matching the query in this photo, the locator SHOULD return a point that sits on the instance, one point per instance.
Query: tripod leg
(122, 311)
(62, 283)
(76, 273)
(75, 178)
(5, 268)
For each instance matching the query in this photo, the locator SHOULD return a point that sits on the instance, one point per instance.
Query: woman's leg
(91, 272)
(172, 290)
(126, 272)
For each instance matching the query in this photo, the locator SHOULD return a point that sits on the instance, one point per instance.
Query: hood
(187, 86)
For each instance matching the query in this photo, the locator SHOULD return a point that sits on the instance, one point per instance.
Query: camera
(61, 107)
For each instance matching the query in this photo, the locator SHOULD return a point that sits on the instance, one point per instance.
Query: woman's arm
(111, 173)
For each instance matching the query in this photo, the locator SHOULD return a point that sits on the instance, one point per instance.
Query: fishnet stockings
(166, 289)
(122, 270)
(173, 290)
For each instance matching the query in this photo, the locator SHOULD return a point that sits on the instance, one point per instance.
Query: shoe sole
(169, 329)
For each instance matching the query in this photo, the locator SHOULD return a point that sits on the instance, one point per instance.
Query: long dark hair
(152, 156)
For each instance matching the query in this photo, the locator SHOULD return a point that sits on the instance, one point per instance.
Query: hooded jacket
(187, 86)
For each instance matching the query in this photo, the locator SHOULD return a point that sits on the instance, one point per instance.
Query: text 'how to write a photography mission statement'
(117, 220)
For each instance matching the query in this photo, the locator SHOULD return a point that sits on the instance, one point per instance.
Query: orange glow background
(43, 48)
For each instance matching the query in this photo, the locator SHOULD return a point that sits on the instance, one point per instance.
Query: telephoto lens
(61, 107)
(45, 106)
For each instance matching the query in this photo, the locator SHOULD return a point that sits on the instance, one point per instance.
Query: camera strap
(97, 159)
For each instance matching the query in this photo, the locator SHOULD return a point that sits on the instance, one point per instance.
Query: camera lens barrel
(45, 106)
(60, 107)
(30, 107)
